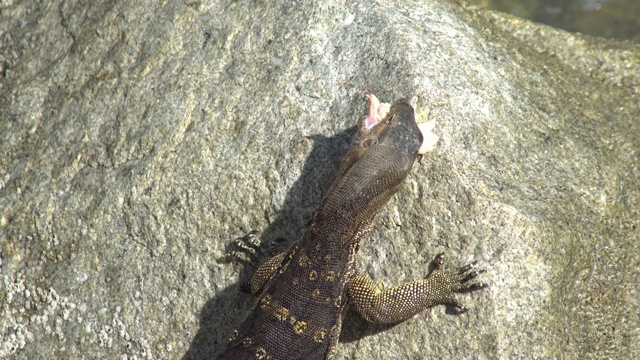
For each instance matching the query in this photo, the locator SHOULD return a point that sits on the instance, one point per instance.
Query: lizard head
(401, 114)
(382, 154)
(387, 129)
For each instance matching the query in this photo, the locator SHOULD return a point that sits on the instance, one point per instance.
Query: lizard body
(303, 292)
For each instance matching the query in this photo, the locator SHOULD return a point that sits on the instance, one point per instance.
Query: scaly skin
(303, 291)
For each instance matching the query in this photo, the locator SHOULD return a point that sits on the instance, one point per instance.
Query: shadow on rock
(307, 192)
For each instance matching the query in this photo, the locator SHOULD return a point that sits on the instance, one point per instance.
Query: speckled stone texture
(138, 139)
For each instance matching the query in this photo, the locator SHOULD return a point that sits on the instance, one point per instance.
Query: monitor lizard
(303, 292)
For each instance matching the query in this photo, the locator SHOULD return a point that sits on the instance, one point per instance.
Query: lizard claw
(459, 280)
(467, 267)
(464, 275)
(250, 246)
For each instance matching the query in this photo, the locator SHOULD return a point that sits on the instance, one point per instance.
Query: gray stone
(137, 141)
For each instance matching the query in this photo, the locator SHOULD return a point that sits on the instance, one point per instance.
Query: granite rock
(137, 140)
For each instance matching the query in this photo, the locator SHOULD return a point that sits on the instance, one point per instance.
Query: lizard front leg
(404, 301)
(265, 272)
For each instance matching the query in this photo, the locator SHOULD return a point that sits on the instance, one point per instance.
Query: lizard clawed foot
(448, 282)
(249, 246)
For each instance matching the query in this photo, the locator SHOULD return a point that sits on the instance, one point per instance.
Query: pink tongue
(377, 111)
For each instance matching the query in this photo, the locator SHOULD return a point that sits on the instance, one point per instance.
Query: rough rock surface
(137, 140)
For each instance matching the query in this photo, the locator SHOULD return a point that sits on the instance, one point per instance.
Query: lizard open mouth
(377, 111)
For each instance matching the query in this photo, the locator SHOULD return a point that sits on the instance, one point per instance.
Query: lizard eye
(368, 142)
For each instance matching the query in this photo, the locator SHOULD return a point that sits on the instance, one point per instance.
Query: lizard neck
(350, 206)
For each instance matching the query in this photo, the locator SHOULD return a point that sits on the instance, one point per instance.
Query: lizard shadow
(302, 199)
